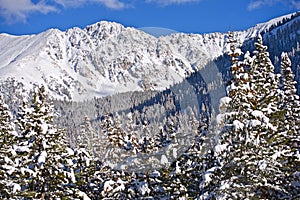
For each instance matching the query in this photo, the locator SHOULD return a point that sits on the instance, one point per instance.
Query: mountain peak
(107, 58)
(103, 29)
(269, 25)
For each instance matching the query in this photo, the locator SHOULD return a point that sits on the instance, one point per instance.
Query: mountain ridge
(106, 58)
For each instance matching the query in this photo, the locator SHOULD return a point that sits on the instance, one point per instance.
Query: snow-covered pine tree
(39, 151)
(83, 171)
(87, 137)
(131, 136)
(265, 83)
(194, 122)
(118, 135)
(235, 148)
(161, 138)
(130, 124)
(249, 149)
(291, 104)
(246, 146)
(107, 123)
(108, 128)
(83, 166)
(7, 137)
(147, 141)
(170, 129)
(288, 139)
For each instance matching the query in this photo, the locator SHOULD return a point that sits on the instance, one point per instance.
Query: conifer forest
(125, 115)
(136, 151)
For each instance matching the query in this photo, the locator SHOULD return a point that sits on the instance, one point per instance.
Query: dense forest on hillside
(159, 145)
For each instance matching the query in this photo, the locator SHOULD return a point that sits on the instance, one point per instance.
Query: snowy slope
(252, 32)
(107, 58)
(102, 59)
(197, 49)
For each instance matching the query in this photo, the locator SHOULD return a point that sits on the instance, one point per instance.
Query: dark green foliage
(7, 137)
(39, 149)
(257, 159)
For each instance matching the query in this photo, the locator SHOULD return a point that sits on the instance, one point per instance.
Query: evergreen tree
(161, 138)
(108, 128)
(247, 143)
(277, 149)
(130, 137)
(40, 150)
(289, 139)
(83, 170)
(291, 100)
(118, 136)
(194, 123)
(87, 137)
(170, 129)
(235, 148)
(107, 123)
(7, 137)
(265, 83)
(147, 142)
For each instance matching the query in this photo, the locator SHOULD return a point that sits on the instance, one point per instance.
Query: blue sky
(190, 16)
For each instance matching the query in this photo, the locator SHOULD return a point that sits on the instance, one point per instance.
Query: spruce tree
(234, 151)
(146, 142)
(289, 138)
(83, 171)
(40, 150)
(170, 129)
(247, 143)
(7, 137)
(130, 136)
(273, 138)
(265, 83)
(87, 137)
(291, 100)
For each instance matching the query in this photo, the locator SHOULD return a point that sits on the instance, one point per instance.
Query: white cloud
(113, 4)
(169, 2)
(18, 10)
(70, 3)
(256, 4)
(296, 4)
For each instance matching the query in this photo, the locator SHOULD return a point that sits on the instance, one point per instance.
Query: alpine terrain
(107, 58)
(112, 112)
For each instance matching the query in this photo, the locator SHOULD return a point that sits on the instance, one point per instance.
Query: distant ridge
(106, 58)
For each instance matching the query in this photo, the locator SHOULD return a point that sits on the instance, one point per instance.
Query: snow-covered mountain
(107, 58)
